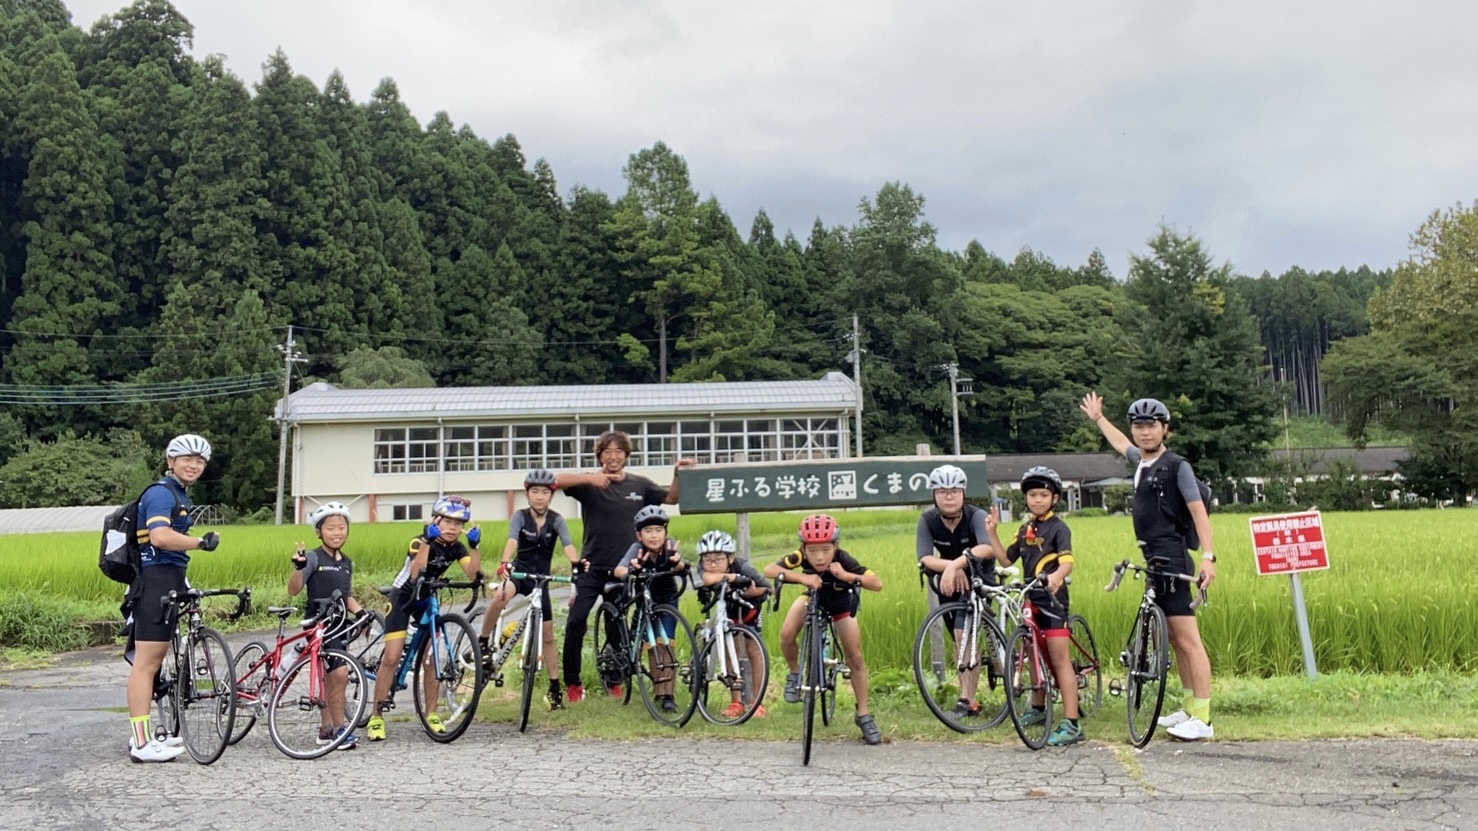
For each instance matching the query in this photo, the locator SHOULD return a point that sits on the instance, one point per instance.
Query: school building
(388, 454)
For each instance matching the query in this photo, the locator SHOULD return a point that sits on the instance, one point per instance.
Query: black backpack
(119, 557)
(1172, 504)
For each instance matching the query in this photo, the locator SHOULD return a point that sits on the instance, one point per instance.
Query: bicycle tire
(1083, 649)
(206, 696)
(368, 648)
(1149, 662)
(530, 665)
(250, 689)
(942, 678)
(166, 708)
(1026, 676)
(672, 661)
(456, 668)
(610, 656)
(299, 703)
(830, 669)
(750, 680)
(811, 680)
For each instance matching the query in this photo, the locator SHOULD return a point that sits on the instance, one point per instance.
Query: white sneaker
(1176, 718)
(1191, 730)
(154, 751)
(174, 741)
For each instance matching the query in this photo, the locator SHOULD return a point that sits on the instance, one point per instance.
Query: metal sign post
(1289, 544)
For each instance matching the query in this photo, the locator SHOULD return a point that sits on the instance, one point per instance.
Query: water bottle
(291, 657)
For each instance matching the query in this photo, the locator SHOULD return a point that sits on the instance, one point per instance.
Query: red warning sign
(1286, 543)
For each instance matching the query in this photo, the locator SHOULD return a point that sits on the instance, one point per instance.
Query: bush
(35, 621)
(1089, 512)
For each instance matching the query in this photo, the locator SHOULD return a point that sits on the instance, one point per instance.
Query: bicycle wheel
(831, 663)
(368, 648)
(529, 665)
(811, 680)
(956, 650)
(166, 706)
(1083, 649)
(1028, 677)
(206, 696)
(253, 689)
(666, 675)
(447, 681)
(1149, 661)
(300, 713)
(609, 649)
(715, 685)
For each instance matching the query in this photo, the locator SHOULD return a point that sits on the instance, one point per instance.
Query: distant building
(387, 454)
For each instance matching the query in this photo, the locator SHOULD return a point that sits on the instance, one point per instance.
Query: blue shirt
(157, 510)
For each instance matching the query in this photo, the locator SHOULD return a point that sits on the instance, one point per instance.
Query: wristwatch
(1208, 556)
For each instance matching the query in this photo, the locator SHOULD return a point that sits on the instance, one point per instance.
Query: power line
(104, 394)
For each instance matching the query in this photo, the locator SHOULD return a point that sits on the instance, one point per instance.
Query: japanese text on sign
(780, 486)
(1287, 543)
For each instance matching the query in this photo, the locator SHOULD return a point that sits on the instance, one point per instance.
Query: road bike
(638, 640)
(821, 665)
(1146, 654)
(1031, 691)
(733, 667)
(528, 635)
(441, 661)
(195, 691)
(958, 654)
(289, 684)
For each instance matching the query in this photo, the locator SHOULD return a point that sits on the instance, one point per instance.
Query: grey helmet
(539, 478)
(716, 541)
(1149, 409)
(947, 476)
(188, 444)
(650, 515)
(1042, 477)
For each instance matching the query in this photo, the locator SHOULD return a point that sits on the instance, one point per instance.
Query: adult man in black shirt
(609, 499)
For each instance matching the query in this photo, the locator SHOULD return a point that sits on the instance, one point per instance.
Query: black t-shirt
(608, 513)
(796, 559)
(324, 575)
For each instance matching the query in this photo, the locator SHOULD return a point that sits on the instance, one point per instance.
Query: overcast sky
(1317, 133)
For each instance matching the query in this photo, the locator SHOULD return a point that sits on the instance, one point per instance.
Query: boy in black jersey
(834, 575)
(323, 571)
(1044, 546)
(654, 551)
(532, 535)
(950, 536)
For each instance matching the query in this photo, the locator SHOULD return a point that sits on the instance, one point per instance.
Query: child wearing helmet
(163, 523)
(1170, 520)
(717, 564)
(1044, 546)
(532, 535)
(833, 574)
(324, 571)
(952, 533)
(428, 557)
(655, 552)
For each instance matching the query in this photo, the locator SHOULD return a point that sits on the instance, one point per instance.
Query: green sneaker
(1066, 733)
(1033, 717)
(433, 721)
(375, 729)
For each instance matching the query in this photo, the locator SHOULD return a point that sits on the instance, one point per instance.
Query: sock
(1200, 708)
(554, 684)
(1073, 722)
(1186, 699)
(141, 730)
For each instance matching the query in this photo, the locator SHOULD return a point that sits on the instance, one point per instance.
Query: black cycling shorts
(404, 605)
(1174, 596)
(525, 587)
(152, 621)
(839, 604)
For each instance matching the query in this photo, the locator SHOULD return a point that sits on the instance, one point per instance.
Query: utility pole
(857, 379)
(958, 386)
(290, 356)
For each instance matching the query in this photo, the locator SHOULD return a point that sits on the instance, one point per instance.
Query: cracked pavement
(64, 765)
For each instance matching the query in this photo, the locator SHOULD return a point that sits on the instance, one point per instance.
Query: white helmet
(327, 510)
(947, 476)
(188, 444)
(716, 541)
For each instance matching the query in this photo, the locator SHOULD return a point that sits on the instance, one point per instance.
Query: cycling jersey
(933, 537)
(738, 613)
(164, 505)
(1042, 544)
(536, 542)
(323, 575)
(664, 590)
(440, 558)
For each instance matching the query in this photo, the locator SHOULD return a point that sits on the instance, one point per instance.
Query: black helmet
(650, 515)
(1148, 409)
(1042, 477)
(539, 478)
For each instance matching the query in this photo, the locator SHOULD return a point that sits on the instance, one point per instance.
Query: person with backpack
(1170, 520)
(164, 545)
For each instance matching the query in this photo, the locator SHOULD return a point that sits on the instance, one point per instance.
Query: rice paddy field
(1398, 599)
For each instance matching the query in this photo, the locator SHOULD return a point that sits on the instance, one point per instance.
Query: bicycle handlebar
(1124, 565)
(476, 586)
(243, 599)
(539, 578)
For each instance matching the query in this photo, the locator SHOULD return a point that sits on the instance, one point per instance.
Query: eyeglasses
(714, 555)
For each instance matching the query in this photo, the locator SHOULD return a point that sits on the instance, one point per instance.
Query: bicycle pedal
(498, 682)
(1115, 687)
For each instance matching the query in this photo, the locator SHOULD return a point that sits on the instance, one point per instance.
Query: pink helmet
(819, 528)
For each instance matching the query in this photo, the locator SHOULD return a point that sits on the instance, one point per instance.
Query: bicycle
(725, 665)
(1146, 655)
(529, 632)
(620, 644)
(821, 665)
(1029, 671)
(955, 644)
(289, 684)
(195, 693)
(441, 657)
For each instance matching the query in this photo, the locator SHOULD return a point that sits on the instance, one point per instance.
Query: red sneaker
(615, 690)
(574, 694)
(759, 712)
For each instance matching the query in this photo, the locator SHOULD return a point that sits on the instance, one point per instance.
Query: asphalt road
(64, 765)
